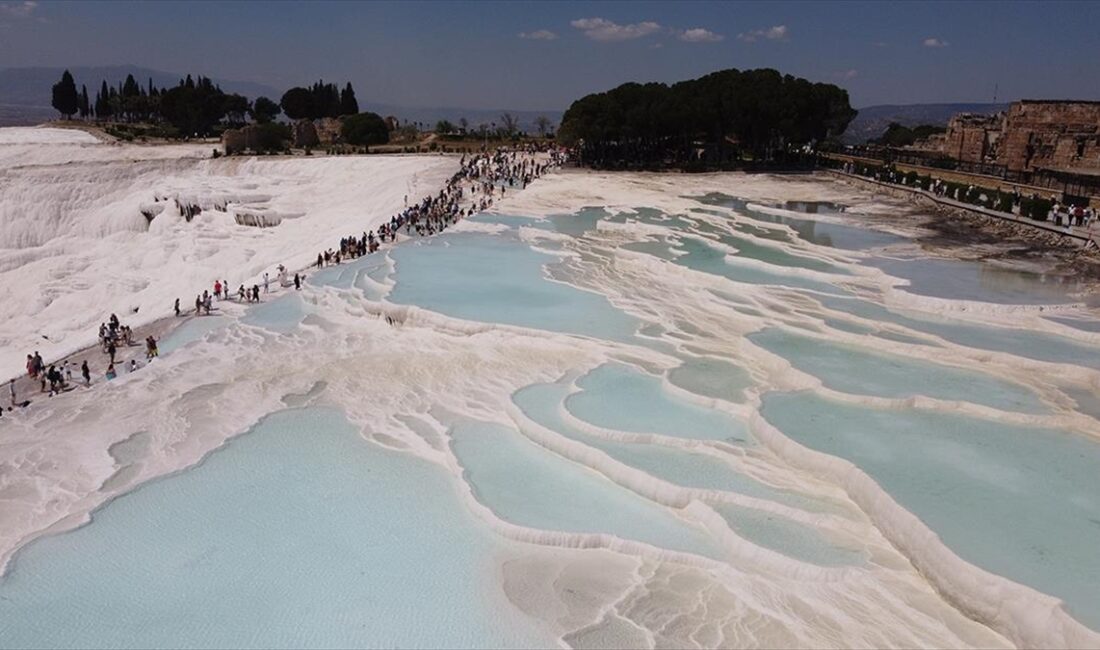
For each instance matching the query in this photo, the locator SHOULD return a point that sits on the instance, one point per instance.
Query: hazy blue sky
(526, 55)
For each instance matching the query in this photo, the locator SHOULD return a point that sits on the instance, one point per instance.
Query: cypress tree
(130, 88)
(103, 102)
(65, 98)
(84, 108)
(348, 104)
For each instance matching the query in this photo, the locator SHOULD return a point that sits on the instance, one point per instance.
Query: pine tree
(65, 98)
(348, 104)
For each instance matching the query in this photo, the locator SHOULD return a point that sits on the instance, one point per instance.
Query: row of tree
(196, 106)
(319, 100)
(897, 135)
(508, 127)
(192, 107)
(724, 116)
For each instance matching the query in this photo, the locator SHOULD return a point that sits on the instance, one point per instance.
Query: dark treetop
(720, 120)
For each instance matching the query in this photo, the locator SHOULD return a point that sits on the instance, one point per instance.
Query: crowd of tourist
(475, 185)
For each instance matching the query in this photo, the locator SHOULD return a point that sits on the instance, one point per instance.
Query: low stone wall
(1043, 231)
(977, 180)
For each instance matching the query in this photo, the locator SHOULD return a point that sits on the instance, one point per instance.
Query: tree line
(199, 107)
(721, 119)
(897, 135)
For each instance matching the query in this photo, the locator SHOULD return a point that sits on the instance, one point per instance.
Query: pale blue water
(1021, 502)
(192, 330)
(541, 402)
(297, 534)
(497, 279)
(282, 315)
(712, 377)
(617, 396)
(530, 486)
(816, 232)
(303, 534)
(980, 281)
(790, 538)
(849, 369)
(704, 257)
(1083, 324)
(1020, 342)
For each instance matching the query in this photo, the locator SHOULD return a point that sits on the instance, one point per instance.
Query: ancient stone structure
(1062, 136)
(240, 140)
(972, 137)
(305, 134)
(1057, 135)
(328, 130)
(233, 141)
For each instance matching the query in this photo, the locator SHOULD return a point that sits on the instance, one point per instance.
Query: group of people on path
(475, 185)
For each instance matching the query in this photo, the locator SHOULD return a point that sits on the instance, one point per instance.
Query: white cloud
(935, 42)
(776, 33)
(601, 29)
(18, 9)
(699, 35)
(851, 73)
(539, 35)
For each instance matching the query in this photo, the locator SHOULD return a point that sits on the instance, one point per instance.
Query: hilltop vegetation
(718, 120)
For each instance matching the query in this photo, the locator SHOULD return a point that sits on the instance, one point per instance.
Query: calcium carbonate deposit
(618, 410)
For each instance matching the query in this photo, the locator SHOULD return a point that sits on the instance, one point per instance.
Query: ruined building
(973, 137)
(1033, 135)
(1055, 135)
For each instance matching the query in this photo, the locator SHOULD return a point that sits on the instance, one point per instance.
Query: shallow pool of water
(530, 486)
(297, 534)
(1021, 502)
(849, 369)
(501, 280)
(616, 396)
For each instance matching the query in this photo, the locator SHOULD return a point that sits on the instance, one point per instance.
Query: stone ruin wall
(1059, 135)
(1051, 135)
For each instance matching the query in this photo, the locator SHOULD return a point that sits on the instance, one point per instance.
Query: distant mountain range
(872, 121)
(25, 96)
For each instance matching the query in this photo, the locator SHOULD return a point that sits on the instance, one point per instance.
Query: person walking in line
(111, 349)
(297, 282)
(11, 389)
(265, 282)
(177, 307)
(86, 373)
